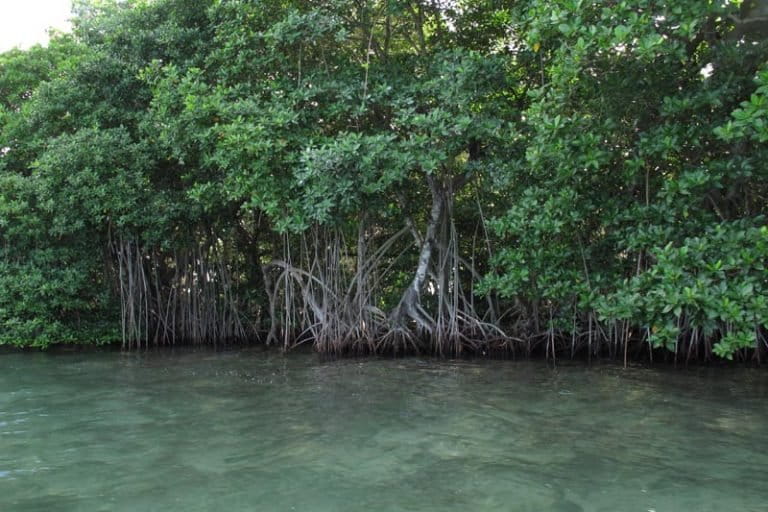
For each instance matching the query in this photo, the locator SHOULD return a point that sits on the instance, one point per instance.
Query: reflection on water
(246, 430)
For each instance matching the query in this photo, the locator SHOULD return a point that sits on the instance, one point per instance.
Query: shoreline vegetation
(641, 358)
(566, 179)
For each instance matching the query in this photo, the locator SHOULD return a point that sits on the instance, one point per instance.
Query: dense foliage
(391, 175)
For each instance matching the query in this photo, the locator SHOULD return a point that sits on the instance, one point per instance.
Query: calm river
(254, 431)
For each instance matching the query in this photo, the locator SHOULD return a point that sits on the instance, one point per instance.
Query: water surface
(247, 430)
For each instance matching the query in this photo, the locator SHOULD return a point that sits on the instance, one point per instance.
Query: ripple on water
(251, 431)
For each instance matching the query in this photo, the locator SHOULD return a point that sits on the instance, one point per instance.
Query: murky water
(245, 431)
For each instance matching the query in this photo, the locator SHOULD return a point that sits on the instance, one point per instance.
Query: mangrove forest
(564, 178)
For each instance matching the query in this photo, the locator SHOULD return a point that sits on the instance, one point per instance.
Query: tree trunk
(409, 307)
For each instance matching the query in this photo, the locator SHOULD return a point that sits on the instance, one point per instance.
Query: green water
(242, 431)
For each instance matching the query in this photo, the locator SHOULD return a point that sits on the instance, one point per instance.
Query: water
(245, 431)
